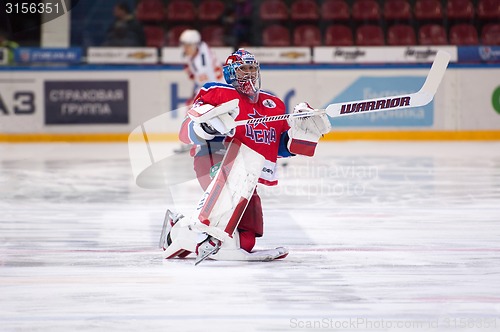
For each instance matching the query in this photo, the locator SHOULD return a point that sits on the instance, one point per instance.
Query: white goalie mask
(242, 71)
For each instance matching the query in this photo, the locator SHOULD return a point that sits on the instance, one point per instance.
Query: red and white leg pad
(222, 204)
(219, 211)
(231, 251)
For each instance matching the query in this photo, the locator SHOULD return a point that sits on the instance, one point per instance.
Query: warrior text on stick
(375, 105)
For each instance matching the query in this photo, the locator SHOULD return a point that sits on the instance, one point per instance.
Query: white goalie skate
(183, 241)
(179, 240)
(170, 220)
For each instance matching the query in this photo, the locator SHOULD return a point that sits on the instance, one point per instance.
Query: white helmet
(190, 37)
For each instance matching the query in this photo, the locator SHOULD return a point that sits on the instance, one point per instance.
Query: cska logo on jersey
(264, 135)
(269, 103)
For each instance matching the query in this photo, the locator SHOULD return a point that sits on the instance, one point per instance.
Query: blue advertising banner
(479, 53)
(48, 55)
(86, 102)
(377, 87)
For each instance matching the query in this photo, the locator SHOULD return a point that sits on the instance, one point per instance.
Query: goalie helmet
(190, 37)
(242, 71)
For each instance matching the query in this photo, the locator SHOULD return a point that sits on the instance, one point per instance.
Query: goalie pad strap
(238, 212)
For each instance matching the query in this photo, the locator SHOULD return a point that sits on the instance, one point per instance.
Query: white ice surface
(383, 236)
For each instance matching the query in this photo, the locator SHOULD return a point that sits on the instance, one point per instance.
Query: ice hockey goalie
(231, 160)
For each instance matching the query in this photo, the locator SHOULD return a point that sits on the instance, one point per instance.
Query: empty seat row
(179, 10)
(373, 35)
(339, 10)
(342, 35)
(371, 10)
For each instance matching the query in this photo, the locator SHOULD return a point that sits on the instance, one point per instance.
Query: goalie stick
(420, 98)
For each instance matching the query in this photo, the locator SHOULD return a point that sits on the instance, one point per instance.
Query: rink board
(107, 103)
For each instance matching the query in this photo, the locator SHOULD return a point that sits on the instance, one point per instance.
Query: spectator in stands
(238, 22)
(8, 44)
(125, 30)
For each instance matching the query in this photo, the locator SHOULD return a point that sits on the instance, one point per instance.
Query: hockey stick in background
(420, 98)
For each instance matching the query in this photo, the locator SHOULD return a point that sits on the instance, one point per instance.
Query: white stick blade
(420, 98)
(436, 73)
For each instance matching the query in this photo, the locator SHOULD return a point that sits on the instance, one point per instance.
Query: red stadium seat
(460, 9)
(150, 10)
(432, 34)
(337, 10)
(174, 33)
(180, 10)
(397, 10)
(304, 10)
(428, 10)
(276, 35)
(307, 35)
(154, 36)
(213, 35)
(210, 10)
(401, 34)
(463, 34)
(488, 10)
(273, 10)
(490, 35)
(369, 35)
(338, 35)
(365, 10)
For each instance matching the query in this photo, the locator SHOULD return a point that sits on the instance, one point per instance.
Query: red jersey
(266, 139)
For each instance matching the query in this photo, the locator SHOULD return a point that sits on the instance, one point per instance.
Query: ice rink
(383, 236)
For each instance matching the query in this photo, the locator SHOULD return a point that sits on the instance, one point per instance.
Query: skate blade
(162, 244)
(202, 257)
(169, 222)
(205, 253)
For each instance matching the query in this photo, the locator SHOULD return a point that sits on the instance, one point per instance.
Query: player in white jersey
(201, 66)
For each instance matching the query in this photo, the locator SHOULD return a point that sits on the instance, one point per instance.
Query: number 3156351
(32, 8)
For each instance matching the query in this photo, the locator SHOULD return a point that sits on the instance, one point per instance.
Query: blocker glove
(210, 121)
